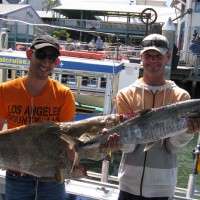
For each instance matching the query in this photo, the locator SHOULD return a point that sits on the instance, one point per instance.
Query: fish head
(112, 120)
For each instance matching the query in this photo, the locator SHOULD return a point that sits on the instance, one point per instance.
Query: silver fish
(150, 126)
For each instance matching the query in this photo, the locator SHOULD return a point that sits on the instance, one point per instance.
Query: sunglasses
(43, 54)
(157, 43)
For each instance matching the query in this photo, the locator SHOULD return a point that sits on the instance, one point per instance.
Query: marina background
(185, 164)
(185, 157)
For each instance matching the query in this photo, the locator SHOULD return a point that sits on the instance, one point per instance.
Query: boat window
(103, 82)
(25, 72)
(57, 76)
(18, 73)
(85, 80)
(197, 6)
(9, 73)
(89, 81)
(68, 79)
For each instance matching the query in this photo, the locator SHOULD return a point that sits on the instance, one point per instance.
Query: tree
(62, 35)
(51, 3)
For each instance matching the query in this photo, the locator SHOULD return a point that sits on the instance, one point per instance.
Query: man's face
(43, 62)
(154, 62)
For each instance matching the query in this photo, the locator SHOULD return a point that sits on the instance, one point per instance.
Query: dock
(187, 77)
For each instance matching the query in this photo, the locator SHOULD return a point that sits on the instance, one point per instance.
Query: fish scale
(41, 149)
(147, 127)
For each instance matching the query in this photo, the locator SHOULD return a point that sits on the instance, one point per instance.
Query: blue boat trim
(92, 67)
(67, 63)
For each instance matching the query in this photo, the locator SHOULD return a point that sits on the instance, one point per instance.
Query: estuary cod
(42, 149)
(35, 149)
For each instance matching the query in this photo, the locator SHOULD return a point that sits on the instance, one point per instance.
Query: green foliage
(185, 164)
(62, 35)
(51, 4)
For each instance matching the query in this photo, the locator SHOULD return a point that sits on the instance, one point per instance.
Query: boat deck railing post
(195, 171)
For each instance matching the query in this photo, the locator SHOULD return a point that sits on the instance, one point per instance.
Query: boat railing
(109, 52)
(190, 59)
(86, 50)
(137, 28)
(110, 189)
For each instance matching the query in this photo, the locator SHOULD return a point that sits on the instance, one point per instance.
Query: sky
(167, 1)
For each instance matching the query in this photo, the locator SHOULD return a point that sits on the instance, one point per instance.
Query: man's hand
(112, 142)
(193, 125)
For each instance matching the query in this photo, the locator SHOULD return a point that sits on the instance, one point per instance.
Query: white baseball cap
(155, 42)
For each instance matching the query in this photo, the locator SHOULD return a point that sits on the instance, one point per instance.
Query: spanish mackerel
(150, 126)
(40, 149)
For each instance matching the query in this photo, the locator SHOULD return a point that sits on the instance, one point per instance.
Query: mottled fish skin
(40, 150)
(87, 129)
(35, 149)
(156, 124)
(91, 125)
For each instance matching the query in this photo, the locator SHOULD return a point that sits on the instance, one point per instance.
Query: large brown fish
(41, 149)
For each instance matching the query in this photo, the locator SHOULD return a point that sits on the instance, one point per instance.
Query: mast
(188, 25)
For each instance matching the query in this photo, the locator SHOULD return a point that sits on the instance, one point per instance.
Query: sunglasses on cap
(156, 43)
(43, 54)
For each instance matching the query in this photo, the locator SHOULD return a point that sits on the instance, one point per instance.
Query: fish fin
(71, 141)
(85, 137)
(149, 146)
(79, 171)
(75, 162)
(110, 153)
(59, 176)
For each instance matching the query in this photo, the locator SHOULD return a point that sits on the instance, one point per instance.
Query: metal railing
(115, 27)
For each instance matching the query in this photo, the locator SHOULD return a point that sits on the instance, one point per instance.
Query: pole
(107, 110)
(105, 170)
(108, 95)
(81, 26)
(195, 171)
(187, 33)
(147, 27)
(168, 30)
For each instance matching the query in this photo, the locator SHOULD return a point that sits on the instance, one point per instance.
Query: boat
(89, 79)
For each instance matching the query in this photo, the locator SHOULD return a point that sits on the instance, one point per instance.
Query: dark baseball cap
(45, 41)
(155, 42)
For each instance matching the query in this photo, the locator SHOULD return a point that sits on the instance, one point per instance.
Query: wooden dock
(188, 78)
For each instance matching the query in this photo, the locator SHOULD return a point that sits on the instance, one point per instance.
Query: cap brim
(40, 46)
(162, 51)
